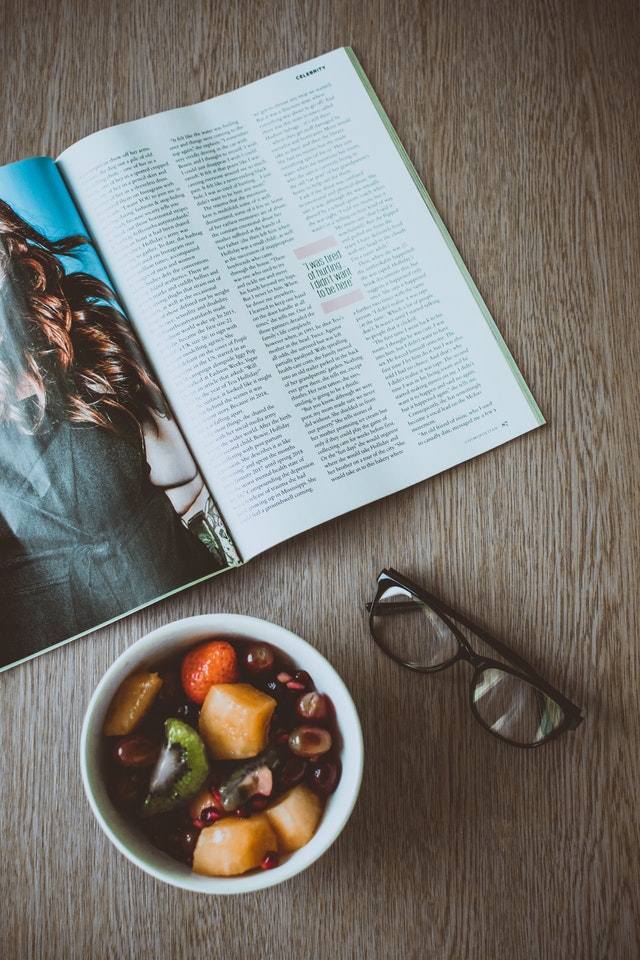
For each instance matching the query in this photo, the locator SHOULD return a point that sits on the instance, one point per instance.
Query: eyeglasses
(510, 700)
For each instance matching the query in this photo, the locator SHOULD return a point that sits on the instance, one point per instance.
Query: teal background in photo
(36, 192)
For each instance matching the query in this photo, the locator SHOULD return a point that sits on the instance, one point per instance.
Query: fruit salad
(224, 756)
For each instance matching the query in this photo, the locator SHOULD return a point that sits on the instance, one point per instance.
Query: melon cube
(234, 720)
(295, 816)
(230, 846)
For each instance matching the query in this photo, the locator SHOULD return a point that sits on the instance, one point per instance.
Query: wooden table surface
(523, 120)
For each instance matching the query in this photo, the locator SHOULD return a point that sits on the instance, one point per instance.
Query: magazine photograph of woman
(102, 508)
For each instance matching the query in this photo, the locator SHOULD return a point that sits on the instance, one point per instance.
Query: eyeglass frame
(517, 666)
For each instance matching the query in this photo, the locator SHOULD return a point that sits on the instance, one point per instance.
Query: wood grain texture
(524, 122)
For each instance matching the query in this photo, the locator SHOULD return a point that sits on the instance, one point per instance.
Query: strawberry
(212, 662)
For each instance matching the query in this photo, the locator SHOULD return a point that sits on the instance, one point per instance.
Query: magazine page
(102, 508)
(313, 326)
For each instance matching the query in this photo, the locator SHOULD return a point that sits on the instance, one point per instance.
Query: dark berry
(324, 777)
(189, 712)
(188, 839)
(301, 676)
(291, 772)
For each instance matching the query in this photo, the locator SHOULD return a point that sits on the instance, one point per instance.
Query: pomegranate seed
(198, 823)
(258, 802)
(210, 815)
(270, 860)
(295, 685)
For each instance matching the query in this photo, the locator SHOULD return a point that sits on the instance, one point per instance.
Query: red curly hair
(64, 334)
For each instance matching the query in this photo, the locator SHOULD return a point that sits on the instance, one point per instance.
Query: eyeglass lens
(411, 631)
(513, 708)
(505, 703)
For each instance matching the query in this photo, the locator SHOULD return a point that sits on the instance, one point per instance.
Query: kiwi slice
(180, 770)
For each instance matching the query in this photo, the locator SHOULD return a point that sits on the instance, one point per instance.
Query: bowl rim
(185, 632)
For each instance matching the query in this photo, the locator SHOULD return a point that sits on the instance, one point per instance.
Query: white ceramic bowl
(148, 652)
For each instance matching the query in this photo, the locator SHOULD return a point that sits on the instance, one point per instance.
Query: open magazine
(221, 326)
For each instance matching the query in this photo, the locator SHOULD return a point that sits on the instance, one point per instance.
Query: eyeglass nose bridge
(476, 661)
(465, 650)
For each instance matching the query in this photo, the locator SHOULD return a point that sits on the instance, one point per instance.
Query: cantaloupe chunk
(230, 846)
(295, 817)
(130, 703)
(234, 720)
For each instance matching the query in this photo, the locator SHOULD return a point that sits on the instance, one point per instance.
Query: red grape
(259, 659)
(308, 741)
